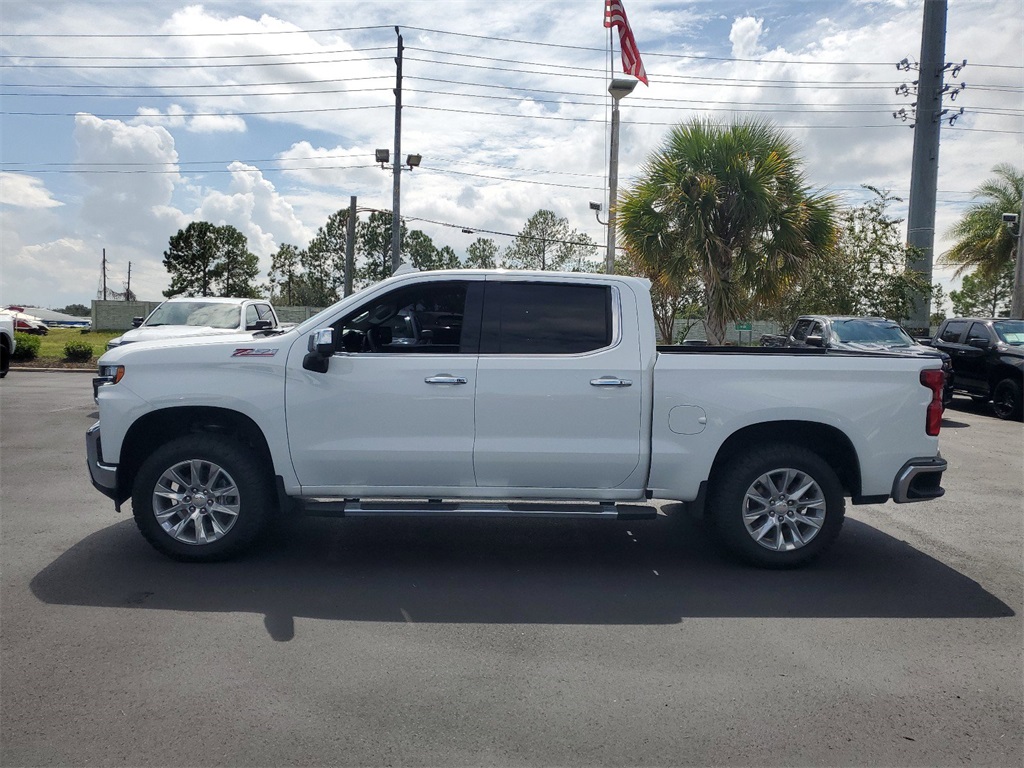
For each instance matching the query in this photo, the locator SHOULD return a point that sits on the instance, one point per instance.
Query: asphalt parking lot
(429, 642)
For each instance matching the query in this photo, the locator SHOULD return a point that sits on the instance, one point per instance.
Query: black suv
(988, 360)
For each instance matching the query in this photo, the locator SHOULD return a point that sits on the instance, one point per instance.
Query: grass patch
(51, 347)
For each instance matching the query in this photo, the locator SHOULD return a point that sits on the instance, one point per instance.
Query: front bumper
(103, 476)
(919, 480)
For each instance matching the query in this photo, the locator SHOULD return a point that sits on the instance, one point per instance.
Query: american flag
(615, 16)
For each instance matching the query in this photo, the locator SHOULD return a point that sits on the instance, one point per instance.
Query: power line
(114, 36)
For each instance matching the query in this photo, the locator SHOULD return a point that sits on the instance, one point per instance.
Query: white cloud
(745, 35)
(254, 207)
(21, 191)
(176, 117)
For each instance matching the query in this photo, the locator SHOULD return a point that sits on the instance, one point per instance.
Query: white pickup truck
(481, 393)
(7, 342)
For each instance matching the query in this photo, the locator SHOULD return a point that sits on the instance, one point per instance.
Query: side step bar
(357, 508)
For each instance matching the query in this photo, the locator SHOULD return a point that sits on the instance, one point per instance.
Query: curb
(14, 368)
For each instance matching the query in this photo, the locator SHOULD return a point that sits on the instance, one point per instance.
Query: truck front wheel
(776, 506)
(1006, 400)
(201, 498)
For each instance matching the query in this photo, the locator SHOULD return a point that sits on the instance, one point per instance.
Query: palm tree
(983, 242)
(730, 203)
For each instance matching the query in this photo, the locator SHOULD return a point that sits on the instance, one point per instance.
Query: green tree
(482, 254)
(729, 203)
(284, 268)
(191, 259)
(984, 295)
(373, 245)
(983, 242)
(75, 310)
(938, 305)
(420, 250)
(205, 260)
(323, 260)
(864, 274)
(546, 242)
(447, 258)
(673, 297)
(237, 267)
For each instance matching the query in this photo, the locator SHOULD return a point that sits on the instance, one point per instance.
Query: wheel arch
(828, 442)
(157, 428)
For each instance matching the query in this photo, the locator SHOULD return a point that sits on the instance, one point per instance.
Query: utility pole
(128, 287)
(924, 175)
(396, 218)
(1017, 301)
(104, 274)
(350, 244)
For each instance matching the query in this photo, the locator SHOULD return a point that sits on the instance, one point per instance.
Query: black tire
(5, 360)
(1006, 400)
(801, 532)
(235, 504)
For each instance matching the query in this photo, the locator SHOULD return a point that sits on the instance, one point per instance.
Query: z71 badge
(250, 352)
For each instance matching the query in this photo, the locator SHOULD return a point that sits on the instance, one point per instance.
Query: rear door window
(536, 318)
(952, 331)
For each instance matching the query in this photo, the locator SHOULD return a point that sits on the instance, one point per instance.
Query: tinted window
(952, 331)
(263, 310)
(800, 331)
(250, 316)
(423, 319)
(551, 319)
(816, 330)
(978, 331)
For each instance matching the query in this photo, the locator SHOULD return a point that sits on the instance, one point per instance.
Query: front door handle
(610, 381)
(445, 378)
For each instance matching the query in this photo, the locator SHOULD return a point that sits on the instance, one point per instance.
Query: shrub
(26, 346)
(78, 351)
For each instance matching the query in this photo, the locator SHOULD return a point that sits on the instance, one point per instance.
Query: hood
(219, 338)
(172, 332)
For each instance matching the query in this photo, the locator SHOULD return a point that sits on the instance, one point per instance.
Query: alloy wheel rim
(784, 509)
(1002, 403)
(196, 502)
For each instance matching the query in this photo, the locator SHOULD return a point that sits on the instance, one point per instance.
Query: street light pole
(618, 89)
(1017, 297)
(396, 218)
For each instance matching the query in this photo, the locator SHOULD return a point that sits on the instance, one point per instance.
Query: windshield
(199, 313)
(1010, 331)
(871, 332)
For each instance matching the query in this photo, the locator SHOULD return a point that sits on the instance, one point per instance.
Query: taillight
(934, 380)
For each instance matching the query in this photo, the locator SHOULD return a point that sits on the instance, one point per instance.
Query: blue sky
(122, 123)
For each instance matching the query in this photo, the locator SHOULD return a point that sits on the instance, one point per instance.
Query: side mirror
(320, 351)
(979, 343)
(814, 341)
(137, 321)
(259, 325)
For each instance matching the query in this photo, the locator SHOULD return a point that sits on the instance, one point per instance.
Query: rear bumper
(919, 480)
(103, 476)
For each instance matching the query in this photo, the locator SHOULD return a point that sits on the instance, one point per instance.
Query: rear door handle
(610, 381)
(445, 378)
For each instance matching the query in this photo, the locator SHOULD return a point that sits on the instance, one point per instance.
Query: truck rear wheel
(201, 498)
(776, 506)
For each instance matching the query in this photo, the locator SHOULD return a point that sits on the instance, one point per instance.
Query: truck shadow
(511, 571)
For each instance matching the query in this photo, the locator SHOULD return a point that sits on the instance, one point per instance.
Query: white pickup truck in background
(200, 316)
(507, 393)
(7, 342)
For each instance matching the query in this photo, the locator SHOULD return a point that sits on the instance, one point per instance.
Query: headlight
(111, 373)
